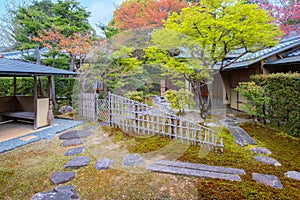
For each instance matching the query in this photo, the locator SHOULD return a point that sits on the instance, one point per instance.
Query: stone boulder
(75, 134)
(267, 160)
(65, 109)
(77, 162)
(266, 179)
(58, 193)
(62, 177)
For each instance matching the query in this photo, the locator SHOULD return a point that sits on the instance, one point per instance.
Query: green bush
(63, 87)
(282, 107)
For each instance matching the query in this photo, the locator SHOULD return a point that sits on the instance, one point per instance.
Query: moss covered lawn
(26, 170)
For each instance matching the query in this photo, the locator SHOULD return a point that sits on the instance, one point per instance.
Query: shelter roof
(19, 68)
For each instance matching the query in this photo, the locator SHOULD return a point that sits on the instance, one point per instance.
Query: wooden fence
(88, 106)
(139, 118)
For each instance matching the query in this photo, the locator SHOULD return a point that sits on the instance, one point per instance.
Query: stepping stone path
(75, 151)
(293, 174)
(242, 138)
(266, 179)
(62, 177)
(103, 164)
(73, 142)
(77, 162)
(132, 160)
(267, 160)
(58, 193)
(75, 134)
(200, 170)
(261, 150)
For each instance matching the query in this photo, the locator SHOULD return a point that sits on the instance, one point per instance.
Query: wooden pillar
(35, 102)
(15, 85)
(49, 88)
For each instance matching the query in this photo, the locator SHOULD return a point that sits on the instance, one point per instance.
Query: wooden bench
(19, 114)
(22, 107)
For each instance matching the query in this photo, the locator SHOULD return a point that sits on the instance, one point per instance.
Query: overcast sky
(101, 10)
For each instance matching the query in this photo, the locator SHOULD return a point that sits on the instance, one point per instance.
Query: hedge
(281, 93)
(63, 87)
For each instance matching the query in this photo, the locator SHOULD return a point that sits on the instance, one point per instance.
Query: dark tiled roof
(19, 68)
(251, 58)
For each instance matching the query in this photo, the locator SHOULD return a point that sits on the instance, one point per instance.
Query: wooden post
(35, 102)
(15, 85)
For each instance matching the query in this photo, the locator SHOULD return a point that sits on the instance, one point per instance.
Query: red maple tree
(286, 14)
(145, 14)
(77, 45)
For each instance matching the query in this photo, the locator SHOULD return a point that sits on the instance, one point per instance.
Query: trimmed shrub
(280, 94)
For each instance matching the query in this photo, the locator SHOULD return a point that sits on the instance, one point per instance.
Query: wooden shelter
(30, 108)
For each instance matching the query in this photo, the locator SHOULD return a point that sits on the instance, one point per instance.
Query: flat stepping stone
(77, 162)
(103, 164)
(192, 172)
(76, 134)
(103, 124)
(202, 167)
(242, 138)
(132, 160)
(266, 179)
(73, 142)
(75, 151)
(261, 150)
(62, 177)
(267, 160)
(293, 174)
(59, 193)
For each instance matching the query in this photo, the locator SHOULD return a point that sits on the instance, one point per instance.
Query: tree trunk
(203, 104)
(72, 63)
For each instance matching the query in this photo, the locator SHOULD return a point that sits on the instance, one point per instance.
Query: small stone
(78, 162)
(267, 160)
(76, 134)
(75, 151)
(293, 174)
(103, 163)
(261, 150)
(67, 189)
(266, 179)
(73, 142)
(62, 177)
(132, 160)
(51, 195)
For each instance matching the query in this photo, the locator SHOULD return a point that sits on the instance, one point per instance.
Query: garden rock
(103, 164)
(293, 174)
(62, 177)
(75, 134)
(261, 150)
(67, 189)
(73, 142)
(242, 138)
(75, 151)
(59, 193)
(267, 160)
(65, 109)
(78, 162)
(132, 160)
(266, 179)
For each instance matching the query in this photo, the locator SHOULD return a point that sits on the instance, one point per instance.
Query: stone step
(73, 142)
(267, 179)
(202, 167)
(75, 151)
(62, 177)
(75, 134)
(192, 172)
(242, 138)
(77, 162)
(267, 160)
